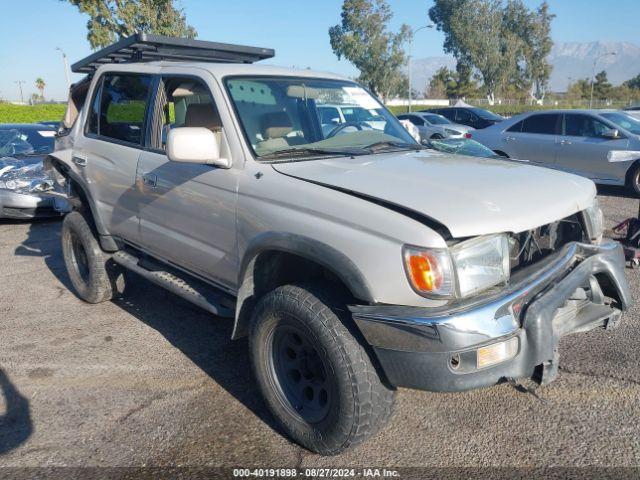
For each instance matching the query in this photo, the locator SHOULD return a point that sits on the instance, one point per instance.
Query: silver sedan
(603, 145)
(23, 182)
(433, 126)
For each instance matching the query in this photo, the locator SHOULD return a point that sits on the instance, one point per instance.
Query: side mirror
(335, 121)
(195, 145)
(611, 134)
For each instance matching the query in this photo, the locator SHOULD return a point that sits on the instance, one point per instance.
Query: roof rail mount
(144, 47)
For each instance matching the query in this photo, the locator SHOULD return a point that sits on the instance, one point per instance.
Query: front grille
(527, 248)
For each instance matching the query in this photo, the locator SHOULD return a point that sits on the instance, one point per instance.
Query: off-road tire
(359, 402)
(94, 277)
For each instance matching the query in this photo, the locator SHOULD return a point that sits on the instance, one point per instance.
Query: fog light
(497, 352)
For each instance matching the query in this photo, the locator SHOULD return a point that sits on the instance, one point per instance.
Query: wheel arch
(275, 259)
(632, 169)
(79, 196)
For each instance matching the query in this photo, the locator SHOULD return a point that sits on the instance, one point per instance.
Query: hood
(470, 196)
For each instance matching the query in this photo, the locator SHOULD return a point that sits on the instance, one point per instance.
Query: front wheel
(93, 276)
(633, 180)
(315, 376)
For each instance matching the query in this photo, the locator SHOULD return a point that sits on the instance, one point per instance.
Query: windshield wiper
(386, 145)
(307, 151)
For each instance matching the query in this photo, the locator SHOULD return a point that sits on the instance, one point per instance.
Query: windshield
(462, 146)
(28, 141)
(315, 116)
(625, 121)
(487, 115)
(436, 119)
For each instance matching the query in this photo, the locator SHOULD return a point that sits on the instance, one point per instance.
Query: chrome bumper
(415, 346)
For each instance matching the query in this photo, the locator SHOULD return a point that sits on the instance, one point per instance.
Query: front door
(584, 149)
(188, 211)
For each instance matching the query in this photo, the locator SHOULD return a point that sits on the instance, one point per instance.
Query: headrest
(202, 115)
(276, 125)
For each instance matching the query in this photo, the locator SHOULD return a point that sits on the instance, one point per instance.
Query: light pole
(413, 32)
(66, 66)
(593, 73)
(20, 83)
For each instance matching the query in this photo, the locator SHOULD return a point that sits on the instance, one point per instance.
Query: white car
(435, 127)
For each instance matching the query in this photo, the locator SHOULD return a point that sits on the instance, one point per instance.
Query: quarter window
(516, 127)
(118, 109)
(543, 124)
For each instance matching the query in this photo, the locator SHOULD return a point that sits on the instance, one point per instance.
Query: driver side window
(576, 125)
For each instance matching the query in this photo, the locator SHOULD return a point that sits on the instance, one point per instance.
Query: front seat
(276, 126)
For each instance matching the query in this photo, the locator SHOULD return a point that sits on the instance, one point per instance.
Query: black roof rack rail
(144, 47)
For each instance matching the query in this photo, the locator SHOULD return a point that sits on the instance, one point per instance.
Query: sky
(296, 29)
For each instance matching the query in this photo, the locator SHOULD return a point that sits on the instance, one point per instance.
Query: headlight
(452, 132)
(594, 221)
(481, 263)
(465, 269)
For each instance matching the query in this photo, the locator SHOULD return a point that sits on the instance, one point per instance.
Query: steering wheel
(357, 125)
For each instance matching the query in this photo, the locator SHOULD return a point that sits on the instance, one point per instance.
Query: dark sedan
(471, 116)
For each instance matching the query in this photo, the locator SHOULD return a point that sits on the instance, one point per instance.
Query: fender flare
(107, 242)
(305, 247)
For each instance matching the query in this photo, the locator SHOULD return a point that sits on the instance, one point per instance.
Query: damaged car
(356, 261)
(24, 184)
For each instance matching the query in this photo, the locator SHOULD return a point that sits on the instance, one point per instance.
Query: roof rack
(144, 47)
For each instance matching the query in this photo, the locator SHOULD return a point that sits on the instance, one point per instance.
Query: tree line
(501, 47)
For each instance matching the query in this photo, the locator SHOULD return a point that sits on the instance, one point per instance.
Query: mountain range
(570, 61)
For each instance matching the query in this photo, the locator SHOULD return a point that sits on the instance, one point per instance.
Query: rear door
(107, 152)
(188, 210)
(533, 138)
(584, 150)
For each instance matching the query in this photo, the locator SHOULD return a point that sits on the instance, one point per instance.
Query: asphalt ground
(149, 380)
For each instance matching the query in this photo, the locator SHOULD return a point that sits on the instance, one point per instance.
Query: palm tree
(40, 86)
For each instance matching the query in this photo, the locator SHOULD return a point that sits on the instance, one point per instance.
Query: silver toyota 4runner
(355, 260)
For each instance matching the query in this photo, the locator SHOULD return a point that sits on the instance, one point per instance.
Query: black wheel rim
(300, 374)
(79, 257)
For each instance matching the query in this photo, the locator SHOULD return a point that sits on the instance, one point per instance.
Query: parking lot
(149, 379)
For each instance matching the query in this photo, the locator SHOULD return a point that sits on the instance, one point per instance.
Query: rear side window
(119, 107)
(415, 120)
(543, 124)
(465, 116)
(450, 114)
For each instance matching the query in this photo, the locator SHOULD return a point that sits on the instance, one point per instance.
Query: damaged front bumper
(518, 328)
(17, 205)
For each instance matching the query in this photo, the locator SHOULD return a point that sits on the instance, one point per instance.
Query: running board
(193, 290)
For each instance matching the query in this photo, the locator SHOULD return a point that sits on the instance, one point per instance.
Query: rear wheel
(315, 376)
(93, 275)
(436, 136)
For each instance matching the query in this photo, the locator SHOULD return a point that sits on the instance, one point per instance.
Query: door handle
(79, 160)
(509, 139)
(565, 142)
(150, 180)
